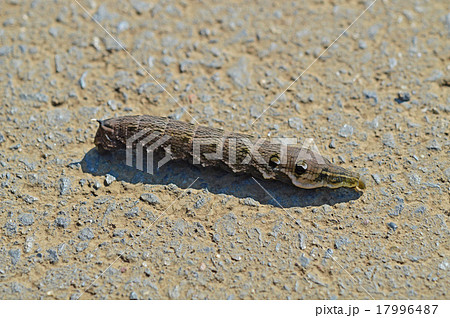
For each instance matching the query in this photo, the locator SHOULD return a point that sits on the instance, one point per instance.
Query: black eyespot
(300, 167)
(274, 161)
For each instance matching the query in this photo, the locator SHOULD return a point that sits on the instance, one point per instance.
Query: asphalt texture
(75, 224)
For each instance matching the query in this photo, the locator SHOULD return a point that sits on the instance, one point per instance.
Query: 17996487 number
(403, 309)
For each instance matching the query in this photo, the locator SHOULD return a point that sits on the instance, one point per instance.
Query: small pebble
(62, 222)
(53, 32)
(15, 147)
(134, 212)
(254, 111)
(167, 60)
(10, 228)
(340, 242)
(346, 131)
(9, 22)
(29, 198)
(332, 144)
(151, 61)
(421, 209)
(236, 257)
(388, 140)
(175, 292)
(295, 123)
(52, 256)
(150, 198)
(59, 116)
(371, 95)
(119, 233)
(302, 240)
(200, 202)
(5, 50)
(123, 26)
(392, 226)
(97, 185)
(59, 64)
(15, 255)
(86, 234)
(26, 219)
(447, 173)
(64, 185)
(82, 80)
(434, 145)
(392, 62)
(444, 265)
(133, 296)
(109, 179)
(204, 32)
(239, 73)
(304, 261)
(435, 75)
(141, 7)
(113, 105)
(362, 45)
(29, 242)
(249, 202)
(403, 97)
(376, 178)
(81, 246)
(216, 238)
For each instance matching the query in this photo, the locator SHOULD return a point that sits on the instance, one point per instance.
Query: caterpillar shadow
(215, 180)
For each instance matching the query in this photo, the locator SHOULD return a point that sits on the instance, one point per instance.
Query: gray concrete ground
(75, 224)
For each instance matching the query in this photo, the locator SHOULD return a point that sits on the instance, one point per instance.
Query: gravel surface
(77, 224)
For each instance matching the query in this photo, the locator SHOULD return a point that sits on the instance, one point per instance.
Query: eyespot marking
(274, 161)
(300, 167)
